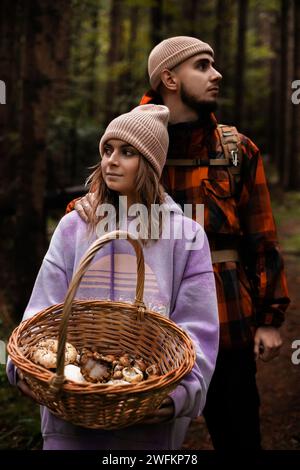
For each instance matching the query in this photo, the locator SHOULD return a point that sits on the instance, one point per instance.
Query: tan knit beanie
(145, 128)
(171, 52)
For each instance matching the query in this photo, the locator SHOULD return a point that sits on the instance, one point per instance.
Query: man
(248, 267)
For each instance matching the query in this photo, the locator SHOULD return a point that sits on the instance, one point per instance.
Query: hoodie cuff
(11, 372)
(179, 396)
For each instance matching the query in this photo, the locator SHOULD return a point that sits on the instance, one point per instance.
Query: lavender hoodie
(179, 283)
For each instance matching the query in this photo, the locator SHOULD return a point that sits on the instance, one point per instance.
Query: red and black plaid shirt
(252, 292)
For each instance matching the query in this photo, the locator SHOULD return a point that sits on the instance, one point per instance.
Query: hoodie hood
(171, 206)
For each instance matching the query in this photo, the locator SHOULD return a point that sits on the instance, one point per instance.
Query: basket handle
(58, 379)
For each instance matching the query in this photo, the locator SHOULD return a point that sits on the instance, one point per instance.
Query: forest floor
(278, 380)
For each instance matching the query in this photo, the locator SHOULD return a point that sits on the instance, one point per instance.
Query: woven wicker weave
(113, 327)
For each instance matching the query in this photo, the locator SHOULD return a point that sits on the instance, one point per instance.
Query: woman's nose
(114, 158)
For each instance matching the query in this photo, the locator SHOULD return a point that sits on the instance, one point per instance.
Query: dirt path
(278, 382)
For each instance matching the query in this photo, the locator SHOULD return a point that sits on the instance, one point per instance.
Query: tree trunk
(10, 71)
(274, 84)
(93, 53)
(240, 62)
(287, 155)
(190, 13)
(9, 146)
(43, 83)
(282, 153)
(156, 22)
(113, 57)
(219, 30)
(224, 45)
(129, 78)
(294, 180)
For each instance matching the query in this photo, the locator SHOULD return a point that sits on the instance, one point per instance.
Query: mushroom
(140, 364)
(93, 367)
(117, 382)
(45, 353)
(73, 373)
(152, 371)
(117, 374)
(125, 360)
(132, 374)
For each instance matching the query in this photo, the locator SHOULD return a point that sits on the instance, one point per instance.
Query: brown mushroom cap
(93, 367)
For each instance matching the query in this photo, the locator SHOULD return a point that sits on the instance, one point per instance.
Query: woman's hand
(23, 387)
(165, 412)
(84, 206)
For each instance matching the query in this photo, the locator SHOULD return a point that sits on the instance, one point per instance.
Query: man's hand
(23, 387)
(164, 413)
(84, 206)
(267, 343)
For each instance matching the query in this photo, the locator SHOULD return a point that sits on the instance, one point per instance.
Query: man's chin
(208, 106)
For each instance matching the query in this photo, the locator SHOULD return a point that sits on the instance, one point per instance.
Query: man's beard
(202, 108)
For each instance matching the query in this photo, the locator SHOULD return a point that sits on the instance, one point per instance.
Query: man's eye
(202, 66)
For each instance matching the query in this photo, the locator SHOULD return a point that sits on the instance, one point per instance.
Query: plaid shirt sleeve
(264, 261)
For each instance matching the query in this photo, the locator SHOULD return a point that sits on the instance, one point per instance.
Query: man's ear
(169, 79)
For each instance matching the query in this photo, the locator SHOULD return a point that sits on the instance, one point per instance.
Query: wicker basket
(113, 327)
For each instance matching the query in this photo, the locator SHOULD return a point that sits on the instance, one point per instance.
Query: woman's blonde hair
(148, 191)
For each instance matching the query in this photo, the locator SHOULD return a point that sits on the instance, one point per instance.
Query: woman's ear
(169, 79)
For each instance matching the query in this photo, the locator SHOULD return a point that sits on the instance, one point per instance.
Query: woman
(179, 281)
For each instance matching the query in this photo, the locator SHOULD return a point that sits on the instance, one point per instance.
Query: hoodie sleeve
(51, 283)
(196, 312)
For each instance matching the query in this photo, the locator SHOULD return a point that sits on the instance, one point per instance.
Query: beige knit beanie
(145, 128)
(171, 52)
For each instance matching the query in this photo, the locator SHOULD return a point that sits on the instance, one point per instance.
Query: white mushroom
(73, 373)
(117, 382)
(45, 353)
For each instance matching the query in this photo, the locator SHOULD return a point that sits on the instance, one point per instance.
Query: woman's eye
(107, 151)
(129, 152)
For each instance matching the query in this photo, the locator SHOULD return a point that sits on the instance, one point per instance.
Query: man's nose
(216, 75)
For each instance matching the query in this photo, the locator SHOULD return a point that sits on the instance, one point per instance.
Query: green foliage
(20, 418)
(98, 90)
(265, 5)
(287, 215)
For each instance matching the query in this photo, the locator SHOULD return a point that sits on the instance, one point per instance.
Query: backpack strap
(230, 148)
(198, 162)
